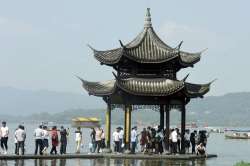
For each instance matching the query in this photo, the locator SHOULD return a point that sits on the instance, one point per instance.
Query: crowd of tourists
(154, 140)
(42, 136)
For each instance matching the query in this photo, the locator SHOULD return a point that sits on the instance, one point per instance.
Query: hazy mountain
(23, 102)
(230, 109)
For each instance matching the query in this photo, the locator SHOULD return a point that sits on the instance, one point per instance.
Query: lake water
(229, 152)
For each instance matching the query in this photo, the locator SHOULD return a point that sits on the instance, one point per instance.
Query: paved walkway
(107, 155)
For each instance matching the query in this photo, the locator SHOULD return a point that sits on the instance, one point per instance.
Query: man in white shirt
(20, 136)
(116, 140)
(38, 134)
(133, 139)
(174, 137)
(4, 137)
(45, 139)
(121, 134)
(187, 141)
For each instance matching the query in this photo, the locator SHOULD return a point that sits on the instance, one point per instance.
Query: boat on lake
(215, 129)
(85, 122)
(237, 134)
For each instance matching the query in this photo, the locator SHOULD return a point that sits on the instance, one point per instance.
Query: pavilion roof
(147, 47)
(146, 87)
(99, 88)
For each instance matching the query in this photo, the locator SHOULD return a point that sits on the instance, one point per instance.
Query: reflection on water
(54, 162)
(101, 162)
(19, 162)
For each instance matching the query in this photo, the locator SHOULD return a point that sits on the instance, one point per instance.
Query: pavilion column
(183, 126)
(167, 111)
(108, 125)
(127, 126)
(161, 116)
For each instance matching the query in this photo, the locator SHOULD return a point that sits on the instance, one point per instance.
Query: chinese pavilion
(145, 74)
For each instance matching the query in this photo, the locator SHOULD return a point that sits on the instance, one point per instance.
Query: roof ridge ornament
(116, 77)
(185, 78)
(88, 45)
(212, 81)
(147, 21)
(122, 45)
(204, 50)
(179, 45)
(178, 48)
(79, 78)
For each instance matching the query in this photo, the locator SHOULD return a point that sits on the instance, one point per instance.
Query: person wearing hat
(133, 139)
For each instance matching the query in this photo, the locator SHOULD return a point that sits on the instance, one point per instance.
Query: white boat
(214, 129)
(237, 134)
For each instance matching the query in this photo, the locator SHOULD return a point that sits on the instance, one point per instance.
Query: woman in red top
(143, 140)
(54, 140)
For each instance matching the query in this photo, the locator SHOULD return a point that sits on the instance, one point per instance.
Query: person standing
(178, 140)
(143, 140)
(4, 137)
(187, 141)
(133, 139)
(192, 141)
(38, 134)
(103, 145)
(174, 138)
(78, 139)
(170, 141)
(45, 139)
(63, 140)
(116, 140)
(98, 138)
(149, 139)
(121, 136)
(92, 137)
(54, 140)
(15, 141)
(159, 141)
(153, 139)
(20, 136)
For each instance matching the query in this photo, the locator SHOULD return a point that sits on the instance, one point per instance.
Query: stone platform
(110, 155)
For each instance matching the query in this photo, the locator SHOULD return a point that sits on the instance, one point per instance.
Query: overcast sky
(43, 43)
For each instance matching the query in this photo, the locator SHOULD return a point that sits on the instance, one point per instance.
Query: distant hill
(24, 102)
(228, 110)
(232, 109)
